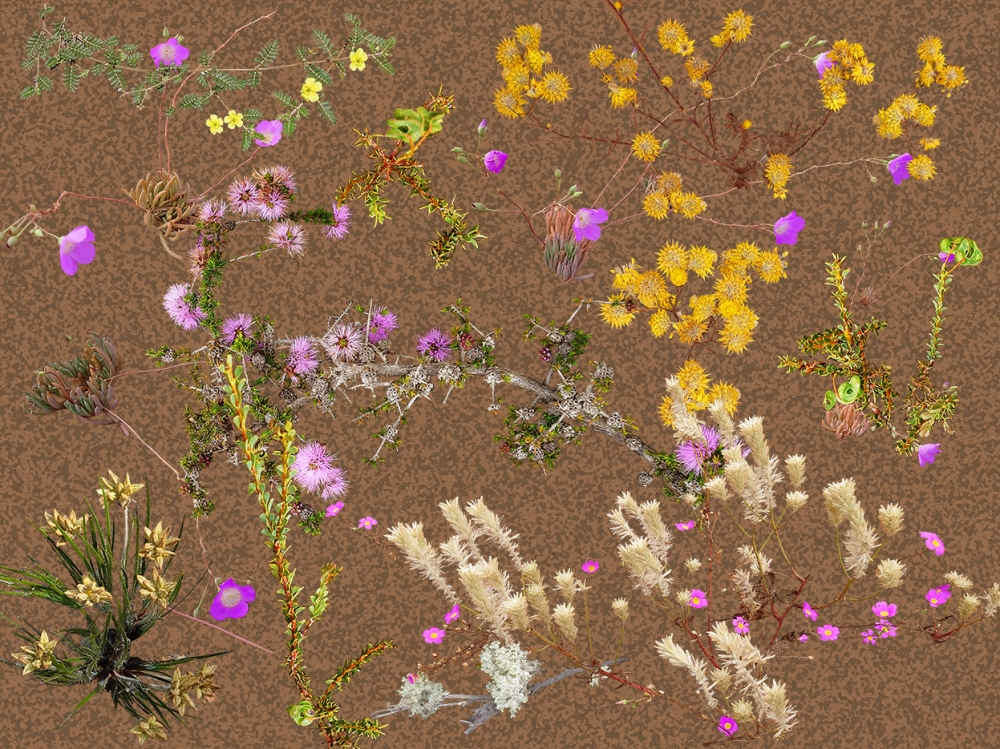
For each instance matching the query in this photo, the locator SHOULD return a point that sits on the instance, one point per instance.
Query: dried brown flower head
(563, 254)
(846, 421)
(868, 297)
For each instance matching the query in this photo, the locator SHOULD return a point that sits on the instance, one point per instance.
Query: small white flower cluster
(510, 671)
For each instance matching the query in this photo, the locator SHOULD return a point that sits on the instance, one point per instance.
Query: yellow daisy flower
(863, 73)
(646, 147)
(686, 47)
(554, 87)
(678, 276)
(509, 103)
(234, 119)
(835, 100)
(926, 76)
(656, 205)
(921, 167)
(929, 48)
(535, 60)
(672, 256)
(951, 77)
(214, 123)
(700, 260)
(311, 89)
(358, 59)
(601, 57)
(615, 313)
(626, 277)
(747, 124)
(659, 323)
(696, 68)
(924, 116)
(508, 54)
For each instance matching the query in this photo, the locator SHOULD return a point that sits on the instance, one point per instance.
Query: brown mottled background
(905, 693)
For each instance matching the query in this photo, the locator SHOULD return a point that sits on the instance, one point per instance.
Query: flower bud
(785, 45)
(12, 241)
(558, 173)
(482, 128)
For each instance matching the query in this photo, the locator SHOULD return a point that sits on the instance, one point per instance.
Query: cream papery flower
(861, 541)
(958, 580)
(421, 556)
(992, 600)
(890, 519)
(681, 658)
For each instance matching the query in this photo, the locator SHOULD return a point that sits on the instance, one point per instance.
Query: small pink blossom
(333, 509)
(808, 612)
(590, 566)
(453, 614)
(685, 526)
(434, 635)
(828, 632)
(367, 522)
(698, 599)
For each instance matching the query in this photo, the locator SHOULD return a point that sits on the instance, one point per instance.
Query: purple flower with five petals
(586, 224)
(231, 601)
(171, 52)
(270, 133)
(933, 542)
(76, 248)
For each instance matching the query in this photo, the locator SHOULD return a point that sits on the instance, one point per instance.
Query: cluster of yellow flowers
(904, 107)
(736, 27)
(776, 172)
(936, 70)
(665, 195)
(648, 290)
(522, 62)
(849, 64)
(625, 70)
(694, 381)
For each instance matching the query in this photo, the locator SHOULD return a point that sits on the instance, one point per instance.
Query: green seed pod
(962, 250)
(849, 391)
(785, 45)
(38, 233)
(974, 255)
(829, 400)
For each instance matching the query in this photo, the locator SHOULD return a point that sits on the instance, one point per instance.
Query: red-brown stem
(781, 619)
(711, 658)
(213, 626)
(231, 171)
(518, 207)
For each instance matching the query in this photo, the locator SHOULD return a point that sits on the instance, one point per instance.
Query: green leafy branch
(276, 513)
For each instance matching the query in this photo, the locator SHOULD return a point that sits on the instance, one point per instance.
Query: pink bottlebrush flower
(169, 53)
(495, 161)
(313, 467)
(212, 211)
(808, 612)
(697, 599)
(787, 228)
(434, 635)
(343, 343)
(927, 453)
(741, 626)
(232, 326)
(341, 222)
(883, 609)
(76, 249)
(279, 175)
(383, 322)
(435, 345)
(334, 509)
(288, 237)
(270, 204)
(685, 526)
(933, 542)
(336, 485)
(242, 196)
(179, 310)
(231, 601)
(828, 632)
(587, 223)
(728, 726)
(270, 133)
(302, 356)
(590, 566)
(367, 522)
(453, 614)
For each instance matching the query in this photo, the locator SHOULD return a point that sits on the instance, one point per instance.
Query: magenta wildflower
(302, 356)
(590, 566)
(242, 196)
(270, 204)
(336, 485)
(212, 211)
(269, 132)
(883, 609)
(741, 626)
(946, 257)
(434, 635)
(232, 326)
(808, 612)
(288, 237)
(231, 601)
(169, 53)
(693, 454)
(412, 678)
(823, 63)
(927, 453)
(697, 599)
(728, 726)
(803, 637)
(179, 310)
(382, 324)
(313, 467)
(435, 345)
(76, 248)
(828, 632)
(586, 224)
(334, 509)
(495, 161)
(938, 596)
(343, 343)
(367, 522)
(885, 628)
(453, 614)
(685, 526)
(933, 542)
(870, 637)
(787, 228)
(341, 222)
(898, 168)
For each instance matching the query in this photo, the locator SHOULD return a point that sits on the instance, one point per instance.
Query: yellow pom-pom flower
(627, 70)
(700, 260)
(929, 48)
(528, 36)
(737, 26)
(678, 277)
(671, 35)
(620, 96)
(672, 256)
(689, 329)
(659, 323)
(706, 89)
(703, 307)
(517, 77)
(508, 54)
(656, 205)
(689, 205)
(770, 268)
(554, 87)
(601, 57)
(921, 167)
(692, 376)
(667, 81)
(509, 103)
(776, 172)
(863, 73)
(930, 143)
(646, 147)
(735, 341)
(669, 182)
(729, 395)
(535, 60)
(615, 312)
(835, 100)
(731, 288)
(649, 288)
(951, 77)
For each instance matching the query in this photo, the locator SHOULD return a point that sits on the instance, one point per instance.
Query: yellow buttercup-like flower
(234, 119)
(358, 59)
(214, 123)
(311, 89)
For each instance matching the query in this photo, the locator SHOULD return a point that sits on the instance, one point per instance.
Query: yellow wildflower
(509, 103)
(66, 526)
(729, 395)
(737, 26)
(921, 167)
(669, 182)
(776, 172)
(930, 143)
(649, 288)
(507, 53)
(671, 35)
(689, 205)
(667, 81)
(234, 119)
(627, 70)
(926, 76)
(686, 47)
(158, 544)
(696, 68)
(701, 259)
(692, 376)
(554, 87)
(88, 592)
(731, 288)
(744, 319)
(863, 73)
(924, 116)
(835, 100)
(358, 59)
(626, 277)
(951, 77)
(517, 77)
(156, 590)
(620, 96)
(535, 60)
(672, 256)
(659, 323)
(770, 268)
(735, 341)
(311, 89)
(703, 307)
(929, 48)
(214, 123)
(601, 57)
(706, 89)
(689, 329)
(646, 147)
(747, 124)
(528, 36)
(615, 313)
(678, 276)
(656, 205)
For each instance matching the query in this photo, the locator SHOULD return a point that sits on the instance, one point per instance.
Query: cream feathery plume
(795, 465)
(535, 593)
(745, 590)
(796, 500)
(686, 426)
(455, 551)
(516, 607)
(890, 519)
(752, 431)
(681, 658)
(776, 708)
(566, 584)
(563, 617)
(531, 573)
(716, 488)
(890, 573)
(421, 556)
(727, 429)
(452, 512)
(992, 600)
(644, 568)
(490, 524)
(860, 541)
(486, 600)
(660, 539)
(958, 580)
